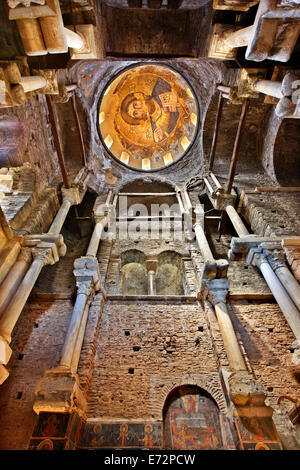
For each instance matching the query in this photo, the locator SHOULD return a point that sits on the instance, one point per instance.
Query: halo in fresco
(148, 117)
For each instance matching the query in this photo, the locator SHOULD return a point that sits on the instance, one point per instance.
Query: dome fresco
(148, 117)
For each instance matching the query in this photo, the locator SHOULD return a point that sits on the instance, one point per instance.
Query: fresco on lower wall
(56, 431)
(192, 421)
(98, 435)
(257, 433)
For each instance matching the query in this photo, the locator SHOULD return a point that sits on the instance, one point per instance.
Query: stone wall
(36, 347)
(139, 341)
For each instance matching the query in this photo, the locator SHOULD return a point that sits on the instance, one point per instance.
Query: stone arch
(161, 386)
(133, 273)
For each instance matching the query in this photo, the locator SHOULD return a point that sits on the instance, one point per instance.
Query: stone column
(33, 83)
(14, 278)
(236, 221)
(202, 242)
(239, 38)
(276, 259)
(268, 87)
(74, 40)
(44, 253)
(287, 306)
(96, 236)
(217, 293)
(71, 197)
(60, 217)
(151, 266)
(86, 271)
(244, 390)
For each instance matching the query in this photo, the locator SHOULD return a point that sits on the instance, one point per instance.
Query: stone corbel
(59, 391)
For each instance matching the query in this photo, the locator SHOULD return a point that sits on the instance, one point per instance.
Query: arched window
(134, 280)
(191, 420)
(169, 276)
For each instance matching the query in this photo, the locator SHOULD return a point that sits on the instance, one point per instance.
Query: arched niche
(287, 153)
(191, 420)
(133, 275)
(169, 275)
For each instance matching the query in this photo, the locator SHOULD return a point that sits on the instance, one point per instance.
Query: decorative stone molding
(161, 386)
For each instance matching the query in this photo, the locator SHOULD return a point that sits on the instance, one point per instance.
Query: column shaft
(236, 221)
(286, 305)
(15, 307)
(151, 281)
(203, 244)
(96, 237)
(11, 283)
(268, 87)
(289, 282)
(32, 83)
(74, 40)
(239, 38)
(231, 345)
(73, 330)
(79, 342)
(60, 217)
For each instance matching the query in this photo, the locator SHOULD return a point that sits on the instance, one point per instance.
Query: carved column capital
(45, 252)
(276, 259)
(215, 290)
(86, 272)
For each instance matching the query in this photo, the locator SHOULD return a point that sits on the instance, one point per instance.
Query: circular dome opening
(148, 117)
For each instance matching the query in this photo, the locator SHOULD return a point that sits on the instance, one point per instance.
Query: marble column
(86, 271)
(74, 40)
(287, 306)
(276, 259)
(96, 236)
(203, 243)
(217, 293)
(14, 278)
(239, 38)
(236, 221)
(32, 83)
(43, 254)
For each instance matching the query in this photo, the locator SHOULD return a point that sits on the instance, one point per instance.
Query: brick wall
(139, 340)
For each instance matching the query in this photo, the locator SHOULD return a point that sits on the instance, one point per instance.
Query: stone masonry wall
(37, 343)
(139, 340)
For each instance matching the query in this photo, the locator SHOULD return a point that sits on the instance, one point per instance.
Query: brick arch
(162, 386)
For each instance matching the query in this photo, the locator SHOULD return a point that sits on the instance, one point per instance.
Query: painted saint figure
(161, 108)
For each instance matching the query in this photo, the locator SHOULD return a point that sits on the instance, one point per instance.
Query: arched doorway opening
(191, 420)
